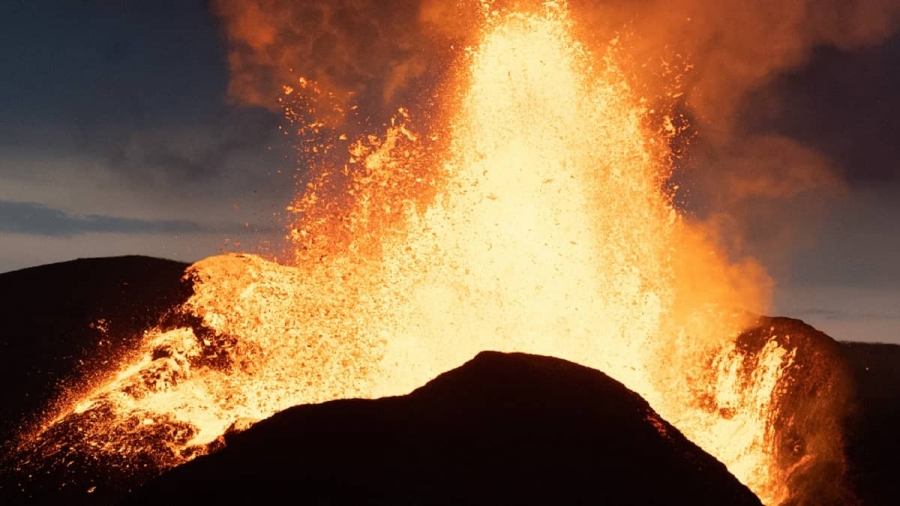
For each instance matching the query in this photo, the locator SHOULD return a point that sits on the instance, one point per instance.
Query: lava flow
(532, 218)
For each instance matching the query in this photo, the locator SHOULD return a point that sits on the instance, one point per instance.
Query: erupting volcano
(532, 212)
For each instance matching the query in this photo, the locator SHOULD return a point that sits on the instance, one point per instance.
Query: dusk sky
(117, 137)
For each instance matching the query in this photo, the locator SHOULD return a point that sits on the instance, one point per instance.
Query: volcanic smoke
(530, 213)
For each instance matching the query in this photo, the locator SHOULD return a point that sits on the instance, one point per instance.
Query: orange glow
(530, 219)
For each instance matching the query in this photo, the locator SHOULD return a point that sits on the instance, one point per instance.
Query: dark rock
(501, 429)
(62, 323)
(813, 408)
(873, 433)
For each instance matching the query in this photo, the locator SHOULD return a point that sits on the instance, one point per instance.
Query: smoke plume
(376, 54)
(762, 192)
(382, 49)
(699, 57)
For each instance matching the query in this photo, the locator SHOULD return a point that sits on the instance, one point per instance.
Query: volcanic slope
(810, 412)
(62, 325)
(873, 437)
(501, 429)
(63, 322)
(846, 397)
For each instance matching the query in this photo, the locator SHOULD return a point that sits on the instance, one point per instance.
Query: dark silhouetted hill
(501, 429)
(61, 322)
(810, 414)
(851, 390)
(874, 434)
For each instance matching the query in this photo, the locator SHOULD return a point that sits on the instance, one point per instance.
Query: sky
(844, 276)
(118, 136)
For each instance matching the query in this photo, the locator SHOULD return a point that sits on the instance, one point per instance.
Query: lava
(532, 218)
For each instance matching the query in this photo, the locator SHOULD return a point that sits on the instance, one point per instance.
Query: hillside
(65, 321)
(501, 429)
(63, 324)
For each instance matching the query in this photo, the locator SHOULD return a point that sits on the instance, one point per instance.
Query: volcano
(503, 427)
(529, 209)
(62, 323)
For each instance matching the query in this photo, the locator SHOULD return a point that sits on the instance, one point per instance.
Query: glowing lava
(541, 226)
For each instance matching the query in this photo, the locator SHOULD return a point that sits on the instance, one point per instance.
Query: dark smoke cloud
(750, 185)
(843, 103)
(736, 46)
(381, 49)
(762, 194)
(762, 190)
(370, 50)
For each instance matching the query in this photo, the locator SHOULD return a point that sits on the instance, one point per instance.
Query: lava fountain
(532, 218)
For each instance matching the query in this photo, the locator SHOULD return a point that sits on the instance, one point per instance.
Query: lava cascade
(531, 218)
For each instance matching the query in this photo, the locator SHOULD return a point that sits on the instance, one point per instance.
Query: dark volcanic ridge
(501, 429)
(873, 433)
(62, 323)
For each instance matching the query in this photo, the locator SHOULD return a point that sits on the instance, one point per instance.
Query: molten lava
(533, 218)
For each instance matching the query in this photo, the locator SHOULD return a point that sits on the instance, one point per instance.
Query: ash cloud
(844, 104)
(373, 51)
(762, 188)
(380, 50)
(758, 186)
(737, 46)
